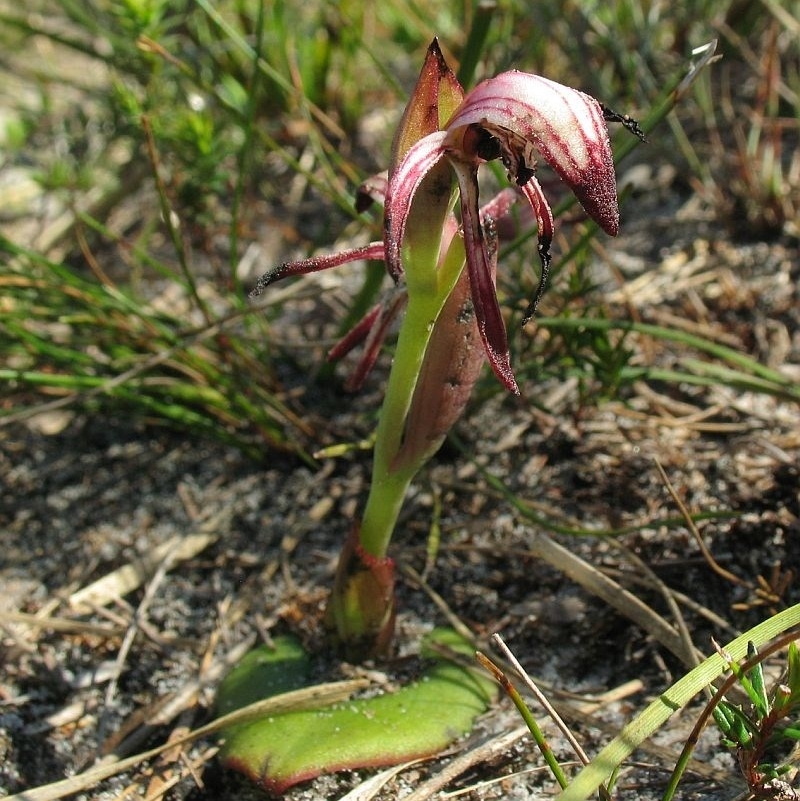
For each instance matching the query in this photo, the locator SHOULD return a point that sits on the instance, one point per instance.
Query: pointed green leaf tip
(417, 720)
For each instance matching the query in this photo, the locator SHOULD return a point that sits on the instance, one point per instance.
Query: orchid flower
(444, 267)
(513, 116)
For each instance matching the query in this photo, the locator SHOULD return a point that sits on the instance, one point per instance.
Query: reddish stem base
(361, 610)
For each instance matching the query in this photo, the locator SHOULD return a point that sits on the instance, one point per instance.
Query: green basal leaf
(417, 720)
(266, 671)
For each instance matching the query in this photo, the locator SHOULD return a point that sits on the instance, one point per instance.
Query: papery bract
(451, 367)
(436, 96)
(362, 607)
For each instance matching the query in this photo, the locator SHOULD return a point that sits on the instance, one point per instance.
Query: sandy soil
(85, 675)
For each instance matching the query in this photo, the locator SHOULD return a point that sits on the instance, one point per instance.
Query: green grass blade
(669, 702)
(476, 41)
(744, 369)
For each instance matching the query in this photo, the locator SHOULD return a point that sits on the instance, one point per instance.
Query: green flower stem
(389, 484)
(388, 487)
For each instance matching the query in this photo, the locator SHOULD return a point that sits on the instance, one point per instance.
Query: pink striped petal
(566, 126)
(418, 161)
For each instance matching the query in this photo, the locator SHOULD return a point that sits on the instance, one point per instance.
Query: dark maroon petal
(381, 324)
(484, 298)
(372, 252)
(355, 336)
